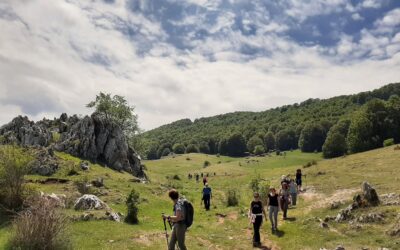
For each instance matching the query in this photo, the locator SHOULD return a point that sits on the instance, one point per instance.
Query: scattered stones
(58, 200)
(345, 214)
(113, 216)
(370, 218)
(340, 247)
(84, 165)
(336, 204)
(391, 199)
(89, 201)
(329, 218)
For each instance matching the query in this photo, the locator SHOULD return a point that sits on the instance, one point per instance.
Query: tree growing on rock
(117, 109)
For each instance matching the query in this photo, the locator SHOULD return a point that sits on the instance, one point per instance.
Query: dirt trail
(320, 200)
(267, 244)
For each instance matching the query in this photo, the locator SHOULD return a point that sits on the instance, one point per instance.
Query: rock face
(370, 194)
(45, 162)
(88, 202)
(92, 137)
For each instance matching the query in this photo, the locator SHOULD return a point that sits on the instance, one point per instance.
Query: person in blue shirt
(207, 195)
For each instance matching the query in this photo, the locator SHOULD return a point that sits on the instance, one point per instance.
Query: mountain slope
(250, 123)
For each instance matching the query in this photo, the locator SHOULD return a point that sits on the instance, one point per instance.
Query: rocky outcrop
(45, 163)
(88, 202)
(92, 137)
(370, 194)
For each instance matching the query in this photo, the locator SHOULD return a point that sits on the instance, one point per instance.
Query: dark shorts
(298, 182)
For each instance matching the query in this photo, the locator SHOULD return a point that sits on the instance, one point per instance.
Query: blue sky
(174, 59)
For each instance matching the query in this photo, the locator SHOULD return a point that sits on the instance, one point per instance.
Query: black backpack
(189, 213)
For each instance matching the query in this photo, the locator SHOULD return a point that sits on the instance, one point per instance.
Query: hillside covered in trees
(336, 126)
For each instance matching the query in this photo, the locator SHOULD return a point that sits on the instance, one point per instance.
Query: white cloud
(357, 17)
(56, 56)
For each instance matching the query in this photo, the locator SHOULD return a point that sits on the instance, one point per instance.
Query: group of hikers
(274, 201)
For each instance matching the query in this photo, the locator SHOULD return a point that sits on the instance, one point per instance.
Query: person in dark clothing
(273, 208)
(197, 177)
(256, 213)
(298, 179)
(207, 195)
(204, 180)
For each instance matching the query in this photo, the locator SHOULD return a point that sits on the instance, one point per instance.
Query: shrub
(259, 150)
(165, 152)
(232, 198)
(14, 165)
(55, 137)
(388, 142)
(40, 226)
(132, 202)
(178, 148)
(176, 177)
(191, 148)
(206, 164)
(253, 142)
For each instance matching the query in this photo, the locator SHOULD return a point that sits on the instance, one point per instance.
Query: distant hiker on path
(284, 199)
(178, 221)
(256, 213)
(293, 192)
(298, 179)
(204, 180)
(273, 208)
(207, 195)
(197, 177)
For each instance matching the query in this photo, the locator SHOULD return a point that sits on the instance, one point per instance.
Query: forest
(336, 126)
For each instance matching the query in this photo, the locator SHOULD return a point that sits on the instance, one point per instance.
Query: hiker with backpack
(256, 213)
(204, 180)
(207, 195)
(284, 199)
(181, 220)
(273, 208)
(293, 192)
(298, 180)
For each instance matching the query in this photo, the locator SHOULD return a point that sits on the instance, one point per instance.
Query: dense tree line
(335, 126)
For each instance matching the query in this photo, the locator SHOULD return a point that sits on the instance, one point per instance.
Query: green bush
(259, 150)
(388, 142)
(206, 164)
(55, 137)
(191, 148)
(232, 198)
(14, 165)
(178, 148)
(253, 143)
(132, 202)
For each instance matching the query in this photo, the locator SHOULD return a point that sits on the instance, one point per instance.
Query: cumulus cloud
(178, 59)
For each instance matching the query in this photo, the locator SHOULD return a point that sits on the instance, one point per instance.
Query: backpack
(189, 213)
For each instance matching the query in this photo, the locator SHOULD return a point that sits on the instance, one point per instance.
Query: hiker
(207, 195)
(201, 174)
(293, 191)
(204, 180)
(256, 213)
(178, 221)
(197, 177)
(298, 179)
(273, 208)
(284, 199)
(285, 179)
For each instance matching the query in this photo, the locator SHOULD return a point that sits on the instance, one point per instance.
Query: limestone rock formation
(94, 138)
(370, 194)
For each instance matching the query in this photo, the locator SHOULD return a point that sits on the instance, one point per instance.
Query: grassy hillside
(329, 180)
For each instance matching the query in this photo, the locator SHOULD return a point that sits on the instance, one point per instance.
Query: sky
(175, 59)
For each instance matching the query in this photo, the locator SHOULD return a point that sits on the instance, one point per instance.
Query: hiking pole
(166, 232)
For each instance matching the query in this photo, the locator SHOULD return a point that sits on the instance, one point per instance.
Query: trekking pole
(166, 232)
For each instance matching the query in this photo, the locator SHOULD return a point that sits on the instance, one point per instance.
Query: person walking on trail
(256, 213)
(178, 221)
(207, 195)
(284, 199)
(204, 180)
(197, 177)
(298, 179)
(293, 192)
(273, 208)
